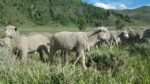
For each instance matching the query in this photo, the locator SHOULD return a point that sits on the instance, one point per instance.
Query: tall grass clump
(108, 60)
(143, 48)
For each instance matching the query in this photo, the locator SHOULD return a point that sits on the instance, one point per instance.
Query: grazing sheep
(105, 39)
(1, 43)
(5, 42)
(134, 36)
(146, 33)
(115, 37)
(118, 37)
(27, 44)
(106, 35)
(78, 42)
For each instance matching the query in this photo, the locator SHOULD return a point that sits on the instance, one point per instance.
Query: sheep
(5, 42)
(118, 37)
(134, 35)
(114, 37)
(106, 36)
(1, 43)
(78, 42)
(146, 34)
(27, 44)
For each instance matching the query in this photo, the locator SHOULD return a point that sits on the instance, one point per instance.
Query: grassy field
(122, 65)
(54, 29)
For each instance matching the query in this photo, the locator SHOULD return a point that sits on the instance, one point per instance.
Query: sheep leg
(24, 54)
(41, 55)
(14, 51)
(41, 52)
(18, 53)
(50, 57)
(112, 44)
(78, 56)
(1, 45)
(63, 55)
(46, 50)
(83, 60)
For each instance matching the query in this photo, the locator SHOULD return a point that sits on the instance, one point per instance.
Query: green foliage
(81, 22)
(143, 48)
(119, 24)
(43, 12)
(107, 60)
(39, 12)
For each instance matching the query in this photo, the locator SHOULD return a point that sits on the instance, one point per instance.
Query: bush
(142, 48)
(106, 61)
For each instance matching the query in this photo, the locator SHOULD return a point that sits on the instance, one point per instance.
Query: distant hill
(140, 16)
(53, 12)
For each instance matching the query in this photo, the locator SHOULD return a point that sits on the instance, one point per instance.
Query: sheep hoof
(85, 68)
(73, 65)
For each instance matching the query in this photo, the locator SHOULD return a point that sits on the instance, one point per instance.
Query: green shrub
(142, 48)
(108, 60)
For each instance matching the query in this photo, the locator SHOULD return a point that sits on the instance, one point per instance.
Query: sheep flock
(78, 42)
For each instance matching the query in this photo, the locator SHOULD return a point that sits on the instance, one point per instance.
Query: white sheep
(135, 35)
(118, 37)
(26, 44)
(114, 37)
(144, 33)
(5, 42)
(78, 42)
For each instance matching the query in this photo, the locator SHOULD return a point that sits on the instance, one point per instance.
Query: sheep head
(124, 34)
(104, 34)
(11, 31)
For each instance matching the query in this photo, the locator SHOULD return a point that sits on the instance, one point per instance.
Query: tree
(81, 22)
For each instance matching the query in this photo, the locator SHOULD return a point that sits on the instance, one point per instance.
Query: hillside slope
(140, 15)
(49, 12)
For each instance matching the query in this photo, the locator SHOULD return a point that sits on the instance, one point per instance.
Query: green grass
(121, 65)
(132, 69)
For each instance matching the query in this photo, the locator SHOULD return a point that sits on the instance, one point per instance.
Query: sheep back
(69, 40)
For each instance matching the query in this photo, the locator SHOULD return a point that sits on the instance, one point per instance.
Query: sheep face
(131, 33)
(124, 34)
(146, 33)
(10, 31)
(104, 34)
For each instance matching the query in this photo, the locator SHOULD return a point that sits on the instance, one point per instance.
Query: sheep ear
(16, 29)
(120, 35)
